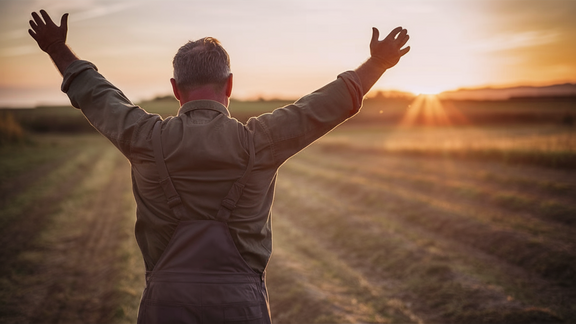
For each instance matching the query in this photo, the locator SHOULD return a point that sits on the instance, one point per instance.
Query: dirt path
(81, 266)
(326, 288)
(76, 264)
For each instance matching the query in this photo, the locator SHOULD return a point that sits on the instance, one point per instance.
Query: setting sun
(428, 110)
(427, 91)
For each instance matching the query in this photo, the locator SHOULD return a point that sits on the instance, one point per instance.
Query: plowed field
(363, 231)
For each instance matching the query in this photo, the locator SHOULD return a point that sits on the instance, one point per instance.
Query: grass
(374, 223)
(31, 201)
(427, 281)
(10, 129)
(69, 253)
(477, 190)
(66, 119)
(305, 272)
(546, 145)
(451, 219)
(241, 110)
(19, 158)
(131, 282)
(449, 293)
(61, 119)
(51, 152)
(557, 212)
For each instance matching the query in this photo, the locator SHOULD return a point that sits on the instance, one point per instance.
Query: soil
(428, 230)
(63, 256)
(354, 241)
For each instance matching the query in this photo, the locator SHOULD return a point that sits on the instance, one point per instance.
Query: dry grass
(545, 145)
(67, 240)
(372, 224)
(461, 240)
(10, 129)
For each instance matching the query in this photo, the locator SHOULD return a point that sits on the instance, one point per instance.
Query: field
(470, 218)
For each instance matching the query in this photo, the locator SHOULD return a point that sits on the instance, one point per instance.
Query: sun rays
(428, 110)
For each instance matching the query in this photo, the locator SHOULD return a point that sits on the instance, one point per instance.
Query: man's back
(206, 151)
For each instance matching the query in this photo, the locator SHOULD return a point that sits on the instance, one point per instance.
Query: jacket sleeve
(104, 105)
(289, 129)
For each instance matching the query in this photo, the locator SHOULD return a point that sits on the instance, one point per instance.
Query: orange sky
(289, 48)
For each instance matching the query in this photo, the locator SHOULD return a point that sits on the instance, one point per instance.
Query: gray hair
(200, 63)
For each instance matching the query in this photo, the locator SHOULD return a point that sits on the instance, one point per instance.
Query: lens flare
(428, 110)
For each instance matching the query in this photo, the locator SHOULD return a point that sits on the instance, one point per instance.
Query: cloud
(101, 11)
(513, 40)
(93, 11)
(18, 51)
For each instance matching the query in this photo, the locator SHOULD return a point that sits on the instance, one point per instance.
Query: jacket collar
(203, 105)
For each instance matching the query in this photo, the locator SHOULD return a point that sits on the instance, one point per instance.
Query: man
(204, 182)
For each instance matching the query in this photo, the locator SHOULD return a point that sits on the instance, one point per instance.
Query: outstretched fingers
(393, 33)
(33, 24)
(37, 20)
(64, 21)
(375, 35)
(46, 17)
(404, 50)
(32, 33)
(403, 40)
(403, 33)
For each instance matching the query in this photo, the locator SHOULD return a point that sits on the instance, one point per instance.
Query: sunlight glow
(428, 110)
(429, 92)
(432, 89)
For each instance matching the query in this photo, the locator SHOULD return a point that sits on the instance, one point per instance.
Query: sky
(286, 49)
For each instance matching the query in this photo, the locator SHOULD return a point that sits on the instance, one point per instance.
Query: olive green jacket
(205, 152)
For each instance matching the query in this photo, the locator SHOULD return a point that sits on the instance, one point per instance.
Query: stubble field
(373, 223)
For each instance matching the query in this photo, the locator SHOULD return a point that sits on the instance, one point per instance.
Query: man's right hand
(388, 51)
(46, 33)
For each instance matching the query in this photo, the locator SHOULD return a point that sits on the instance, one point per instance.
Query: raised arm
(291, 128)
(104, 105)
(384, 54)
(52, 39)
